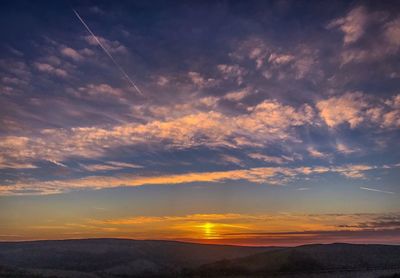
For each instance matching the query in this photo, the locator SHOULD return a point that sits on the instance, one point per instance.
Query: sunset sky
(235, 122)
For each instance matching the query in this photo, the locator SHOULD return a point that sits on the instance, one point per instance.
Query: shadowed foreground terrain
(148, 258)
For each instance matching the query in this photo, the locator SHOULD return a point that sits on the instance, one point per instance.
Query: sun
(208, 230)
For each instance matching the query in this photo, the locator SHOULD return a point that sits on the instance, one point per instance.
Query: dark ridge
(156, 258)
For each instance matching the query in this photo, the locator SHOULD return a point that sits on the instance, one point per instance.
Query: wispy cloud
(342, 148)
(355, 108)
(376, 190)
(316, 153)
(43, 67)
(71, 53)
(268, 175)
(57, 163)
(303, 188)
(352, 25)
(266, 122)
(271, 159)
(110, 166)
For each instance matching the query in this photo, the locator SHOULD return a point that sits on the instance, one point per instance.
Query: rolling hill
(151, 258)
(318, 258)
(114, 256)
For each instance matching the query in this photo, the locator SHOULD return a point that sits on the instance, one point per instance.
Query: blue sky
(252, 108)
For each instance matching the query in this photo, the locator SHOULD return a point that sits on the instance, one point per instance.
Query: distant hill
(150, 258)
(114, 256)
(318, 258)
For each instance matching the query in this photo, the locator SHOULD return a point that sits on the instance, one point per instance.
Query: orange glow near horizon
(238, 229)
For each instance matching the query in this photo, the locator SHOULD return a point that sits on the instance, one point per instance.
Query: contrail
(376, 190)
(108, 54)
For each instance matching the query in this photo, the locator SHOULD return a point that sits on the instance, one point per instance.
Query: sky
(234, 122)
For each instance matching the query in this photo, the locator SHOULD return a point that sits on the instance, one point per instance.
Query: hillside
(116, 256)
(320, 258)
(149, 258)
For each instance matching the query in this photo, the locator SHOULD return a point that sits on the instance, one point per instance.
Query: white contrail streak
(108, 54)
(376, 190)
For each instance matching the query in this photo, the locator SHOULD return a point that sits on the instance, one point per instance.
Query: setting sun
(209, 231)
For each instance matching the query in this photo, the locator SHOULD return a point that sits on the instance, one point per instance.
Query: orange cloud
(266, 122)
(354, 108)
(344, 109)
(352, 25)
(270, 175)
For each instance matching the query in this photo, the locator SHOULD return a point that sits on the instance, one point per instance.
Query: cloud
(354, 171)
(373, 45)
(264, 123)
(352, 25)
(184, 126)
(231, 160)
(233, 228)
(71, 53)
(303, 65)
(237, 95)
(280, 59)
(271, 114)
(343, 109)
(100, 167)
(43, 67)
(201, 82)
(392, 32)
(57, 163)
(232, 72)
(390, 118)
(355, 108)
(97, 182)
(269, 175)
(303, 189)
(124, 164)
(342, 148)
(12, 80)
(256, 50)
(114, 47)
(96, 10)
(100, 89)
(270, 159)
(315, 153)
(162, 81)
(15, 165)
(16, 68)
(138, 220)
(296, 64)
(110, 166)
(196, 78)
(281, 228)
(385, 221)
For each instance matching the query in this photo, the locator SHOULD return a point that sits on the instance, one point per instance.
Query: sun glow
(209, 230)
